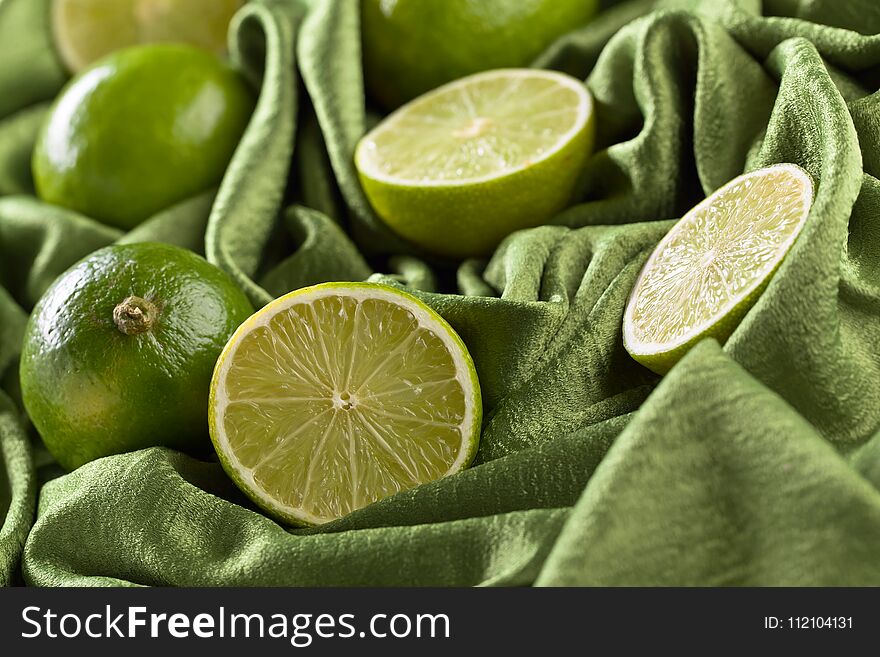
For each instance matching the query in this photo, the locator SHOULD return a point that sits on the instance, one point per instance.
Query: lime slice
(86, 30)
(713, 265)
(459, 168)
(337, 395)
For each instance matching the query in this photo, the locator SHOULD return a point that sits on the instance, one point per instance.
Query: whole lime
(140, 130)
(119, 351)
(412, 46)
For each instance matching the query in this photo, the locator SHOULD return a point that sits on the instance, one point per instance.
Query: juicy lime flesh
(487, 126)
(342, 399)
(716, 256)
(86, 30)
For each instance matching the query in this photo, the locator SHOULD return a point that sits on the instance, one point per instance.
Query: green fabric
(753, 464)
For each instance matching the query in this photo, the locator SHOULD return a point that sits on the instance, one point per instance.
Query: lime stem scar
(134, 315)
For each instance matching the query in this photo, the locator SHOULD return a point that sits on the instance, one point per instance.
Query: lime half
(459, 168)
(337, 395)
(86, 30)
(713, 265)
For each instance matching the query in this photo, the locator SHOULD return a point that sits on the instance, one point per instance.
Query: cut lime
(335, 396)
(459, 168)
(713, 265)
(86, 30)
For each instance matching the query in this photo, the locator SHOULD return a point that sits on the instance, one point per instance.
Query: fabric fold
(718, 481)
(245, 211)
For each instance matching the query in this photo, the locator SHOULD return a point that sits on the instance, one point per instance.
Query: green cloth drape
(753, 464)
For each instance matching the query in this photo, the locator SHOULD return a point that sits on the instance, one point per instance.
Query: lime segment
(714, 263)
(462, 166)
(336, 396)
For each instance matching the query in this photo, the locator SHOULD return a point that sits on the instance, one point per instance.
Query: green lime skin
(466, 221)
(413, 46)
(140, 130)
(118, 353)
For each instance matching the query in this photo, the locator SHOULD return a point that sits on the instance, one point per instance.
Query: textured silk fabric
(753, 464)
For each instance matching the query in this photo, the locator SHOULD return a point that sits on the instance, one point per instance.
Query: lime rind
(711, 267)
(465, 374)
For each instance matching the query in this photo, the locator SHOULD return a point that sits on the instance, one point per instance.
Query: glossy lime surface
(140, 130)
(118, 353)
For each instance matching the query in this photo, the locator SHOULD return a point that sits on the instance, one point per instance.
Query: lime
(714, 264)
(143, 129)
(118, 353)
(458, 169)
(86, 30)
(337, 395)
(413, 46)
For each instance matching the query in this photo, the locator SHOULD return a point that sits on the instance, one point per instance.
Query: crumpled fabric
(755, 463)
